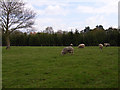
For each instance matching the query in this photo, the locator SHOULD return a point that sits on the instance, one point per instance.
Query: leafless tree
(49, 30)
(14, 16)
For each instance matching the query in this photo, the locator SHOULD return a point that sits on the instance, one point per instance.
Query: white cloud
(53, 10)
(42, 23)
(57, 24)
(85, 9)
(49, 10)
(96, 20)
(47, 2)
(57, 7)
(107, 8)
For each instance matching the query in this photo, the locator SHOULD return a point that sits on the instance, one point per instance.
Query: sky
(73, 14)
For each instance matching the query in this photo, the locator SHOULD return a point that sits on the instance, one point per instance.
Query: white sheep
(106, 44)
(101, 46)
(68, 49)
(71, 44)
(81, 45)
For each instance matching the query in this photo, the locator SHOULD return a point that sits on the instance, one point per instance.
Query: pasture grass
(44, 67)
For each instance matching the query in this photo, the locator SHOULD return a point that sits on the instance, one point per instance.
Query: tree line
(90, 37)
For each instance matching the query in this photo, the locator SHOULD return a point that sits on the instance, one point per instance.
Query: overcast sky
(74, 14)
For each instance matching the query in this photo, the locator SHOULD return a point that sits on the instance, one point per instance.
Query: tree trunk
(7, 42)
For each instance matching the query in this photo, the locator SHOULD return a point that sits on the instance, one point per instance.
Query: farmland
(44, 67)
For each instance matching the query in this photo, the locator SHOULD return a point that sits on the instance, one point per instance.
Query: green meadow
(45, 67)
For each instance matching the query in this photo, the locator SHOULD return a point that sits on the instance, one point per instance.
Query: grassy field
(44, 67)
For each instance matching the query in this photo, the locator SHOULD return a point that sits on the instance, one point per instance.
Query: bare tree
(14, 16)
(49, 30)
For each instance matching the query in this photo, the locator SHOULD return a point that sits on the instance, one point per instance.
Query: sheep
(101, 46)
(106, 44)
(81, 45)
(68, 49)
(71, 44)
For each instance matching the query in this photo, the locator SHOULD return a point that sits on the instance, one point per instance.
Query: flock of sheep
(70, 49)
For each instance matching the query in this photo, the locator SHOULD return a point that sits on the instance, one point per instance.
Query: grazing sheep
(67, 50)
(101, 46)
(106, 44)
(81, 45)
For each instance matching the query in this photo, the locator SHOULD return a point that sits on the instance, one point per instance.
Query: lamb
(68, 49)
(81, 45)
(106, 44)
(101, 46)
